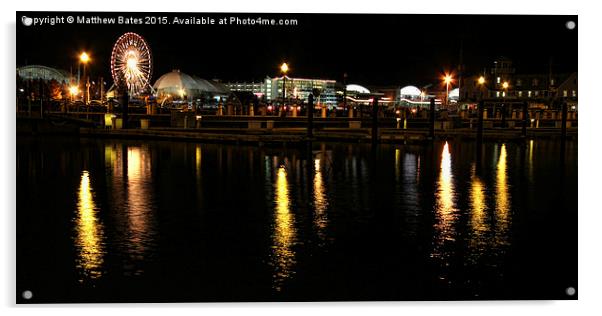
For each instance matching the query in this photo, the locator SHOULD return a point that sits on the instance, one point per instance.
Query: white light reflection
(320, 201)
(445, 209)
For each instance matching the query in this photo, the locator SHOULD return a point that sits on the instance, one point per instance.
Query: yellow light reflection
(531, 151)
(320, 201)
(139, 204)
(198, 156)
(89, 240)
(110, 155)
(502, 198)
(531, 160)
(445, 208)
(284, 232)
(478, 207)
(397, 161)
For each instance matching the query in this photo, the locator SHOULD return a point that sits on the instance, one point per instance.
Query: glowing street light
(505, 86)
(481, 82)
(447, 79)
(84, 58)
(284, 70)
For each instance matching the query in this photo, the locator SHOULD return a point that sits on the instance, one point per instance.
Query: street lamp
(481, 82)
(284, 70)
(447, 79)
(84, 58)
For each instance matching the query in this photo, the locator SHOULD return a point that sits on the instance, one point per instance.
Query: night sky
(386, 50)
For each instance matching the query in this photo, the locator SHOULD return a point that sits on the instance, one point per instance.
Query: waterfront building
(504, 83)
(176, 86)
(296, 89)
(38, 72)
(300, 88)
(257, 88)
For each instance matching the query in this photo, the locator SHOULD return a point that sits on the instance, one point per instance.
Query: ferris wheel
(131, 63)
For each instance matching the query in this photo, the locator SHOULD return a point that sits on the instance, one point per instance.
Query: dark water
(115, 221)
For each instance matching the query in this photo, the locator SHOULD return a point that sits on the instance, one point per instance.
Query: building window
(529, 94)
(552, 82)
(565, 93)
(574, 93)
(536, 93)
(497, 94)
(519, 82)
(498, 79)
(535, 82)
(520, 94)
(504, 94)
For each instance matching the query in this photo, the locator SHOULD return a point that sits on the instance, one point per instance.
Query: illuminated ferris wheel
(131, 63)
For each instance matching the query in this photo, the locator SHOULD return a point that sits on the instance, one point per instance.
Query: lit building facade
(257, 88)
(504, 83)
(300, 88)
(296, 88)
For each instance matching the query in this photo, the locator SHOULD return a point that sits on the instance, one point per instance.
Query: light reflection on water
(461, 211)
(502, 199)
(131, 176)
(138, 207)
(197, 160)
(479, 226)
(488, 215)
(445, 208)
(132, 202)
(320, 201)
(284, 231)
(89, 241)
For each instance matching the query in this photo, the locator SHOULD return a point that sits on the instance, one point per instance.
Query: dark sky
(373, 49)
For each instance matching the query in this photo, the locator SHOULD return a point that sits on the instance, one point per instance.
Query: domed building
(39, 72)
(356, 88)
(176, 85)
(356, 93)
(454, 95)
(411, 96)
(409, 92)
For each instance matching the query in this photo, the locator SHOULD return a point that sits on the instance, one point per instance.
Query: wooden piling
(432, 119)
(375, 120)
(310, 115)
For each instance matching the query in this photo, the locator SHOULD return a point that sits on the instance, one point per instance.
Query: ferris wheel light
(131, 63)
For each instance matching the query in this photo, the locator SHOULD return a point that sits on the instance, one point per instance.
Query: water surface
(121, 220)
